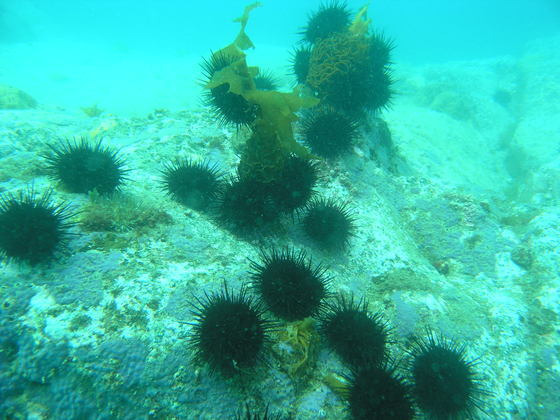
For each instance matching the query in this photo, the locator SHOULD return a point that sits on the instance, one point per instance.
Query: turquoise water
(74, 50)
(452, 189)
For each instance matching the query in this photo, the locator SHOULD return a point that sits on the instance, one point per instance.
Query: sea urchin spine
(32, 228)
(229, 332)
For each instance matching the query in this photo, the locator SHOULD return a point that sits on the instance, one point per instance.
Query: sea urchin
(228, 107)
(357, 336)
(329, 133)
(289, 285)
(331, 18)
(328, 223)
(445, 384)
(82, 167)
(193, 184)
(32, 228)
(379, 393)
(230, 332)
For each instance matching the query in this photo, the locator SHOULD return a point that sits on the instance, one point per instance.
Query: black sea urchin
(363, 83)
(379, 393)
(356, 335)
(289, 285)
(245, 205)
(332, 17)
(230, 332)
(300, 63)
(265, 80)
(329, 224)
(193, 184)
(379, 50)
(228, 107)
(248, 414)
(32, 228)
(445, 384)
(82, 167)
(295, 184)
(329, 133)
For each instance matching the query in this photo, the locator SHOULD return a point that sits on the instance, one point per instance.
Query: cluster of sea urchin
(346, 67)
(441, 381)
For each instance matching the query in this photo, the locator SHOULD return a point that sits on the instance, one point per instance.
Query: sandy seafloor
(458, 229)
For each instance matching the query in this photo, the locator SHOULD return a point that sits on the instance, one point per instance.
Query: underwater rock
(437, 146)
(544, 234)
(14, 98)
(539, 126)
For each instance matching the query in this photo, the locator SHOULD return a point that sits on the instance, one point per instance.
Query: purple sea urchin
(379, 393)
(329, 133)
(331, 18)
(300, 63)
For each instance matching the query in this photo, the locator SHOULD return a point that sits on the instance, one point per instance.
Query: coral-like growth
(328, 223)
(228, 107)
(379, 393)
(32, 228)
(193, 184)
(357, 336)
(331, 18)
(82, 167)
(230, 332)
(329, 133)
(445, 384)
(346, 72)
(289, 285)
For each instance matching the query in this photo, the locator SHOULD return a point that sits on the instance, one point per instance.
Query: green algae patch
(114, 319)
(121, 214)
(79, 322)
(404, 279)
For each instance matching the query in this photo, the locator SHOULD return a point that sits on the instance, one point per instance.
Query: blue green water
(114, 46)
(453, 189)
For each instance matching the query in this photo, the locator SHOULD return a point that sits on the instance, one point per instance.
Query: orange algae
(273, 138)
(360, 25)
(335, 57)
